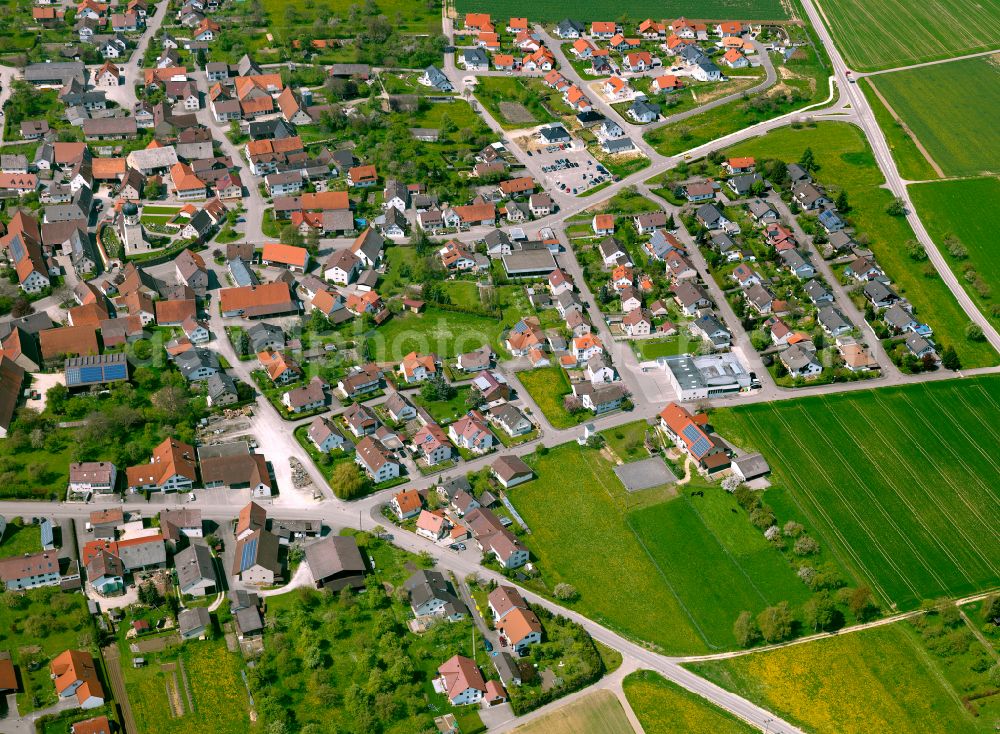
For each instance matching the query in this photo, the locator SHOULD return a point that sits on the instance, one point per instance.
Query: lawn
(801, 81)
(961, 209)
(420, 18)
(596, 713)
(650, 349)
(663, 707)
(912, 164)
(627, 440)
(547, 386)
(436, 331)
(218, 694)
(551, 11)
(445, 411)
(846, 162)
(19, 539)
(889, 33)
(897, 482)
(879, 680)
(963, 139)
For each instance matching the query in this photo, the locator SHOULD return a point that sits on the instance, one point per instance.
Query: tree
(843, 204)
(820, 611)
(475, 400)
(974, 332)
(916, 251)
(896, 208)
(950, 359)
(348, 481)
(808, 161)
(805, 546)
(566, 592)
(745, 630)
(172, 400)
(437, 389)
(948, 612)
(861, 603)
(775, 623)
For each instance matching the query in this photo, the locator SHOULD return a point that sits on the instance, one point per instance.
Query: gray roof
(194, 564)
(333, 555)
(751, 465)
(898, 317)
(220, 384)
(142, 555)
(424, 586)
(476, 57)
(191, 620)
(832, 320)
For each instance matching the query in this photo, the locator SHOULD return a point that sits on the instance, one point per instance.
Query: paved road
(124, 94)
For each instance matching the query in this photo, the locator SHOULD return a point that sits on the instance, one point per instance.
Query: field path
(112, 661)
(906, 128)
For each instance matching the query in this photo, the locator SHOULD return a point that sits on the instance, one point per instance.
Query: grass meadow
(884, 34)
(436, 331)
(547, 386)
(899, 483)
(962, 138)
(878, 680)
(663, 707)
(670, 570)
(552, 11)
(596, 713)
(964, 209)
(846, 163)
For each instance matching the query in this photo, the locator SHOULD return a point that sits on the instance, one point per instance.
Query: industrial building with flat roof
(707, 376)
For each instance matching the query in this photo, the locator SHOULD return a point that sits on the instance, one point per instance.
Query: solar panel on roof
(91, 374)
(115, 372)
(691, 432)
(701, 446)
(249, 553)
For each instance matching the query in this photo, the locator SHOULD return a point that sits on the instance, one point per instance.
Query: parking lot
(569, 168)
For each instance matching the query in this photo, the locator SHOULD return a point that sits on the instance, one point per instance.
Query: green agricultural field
(547, 386)
(912, 164)
(423, 17)
(879, 680)
(664, 707)
(884, 34)
(596, 713)
(218, 702)
(551, 11)
(435, 331)
(962, 138)
(896, 482)
(846, 162)
(965, 209)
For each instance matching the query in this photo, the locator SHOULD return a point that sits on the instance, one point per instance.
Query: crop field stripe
(818, 467)
(934, 537)
(941, 441)
(972, 411)
(873, 497)
(822, 528)
(948, 479)
(990, 525)
(973, 443)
